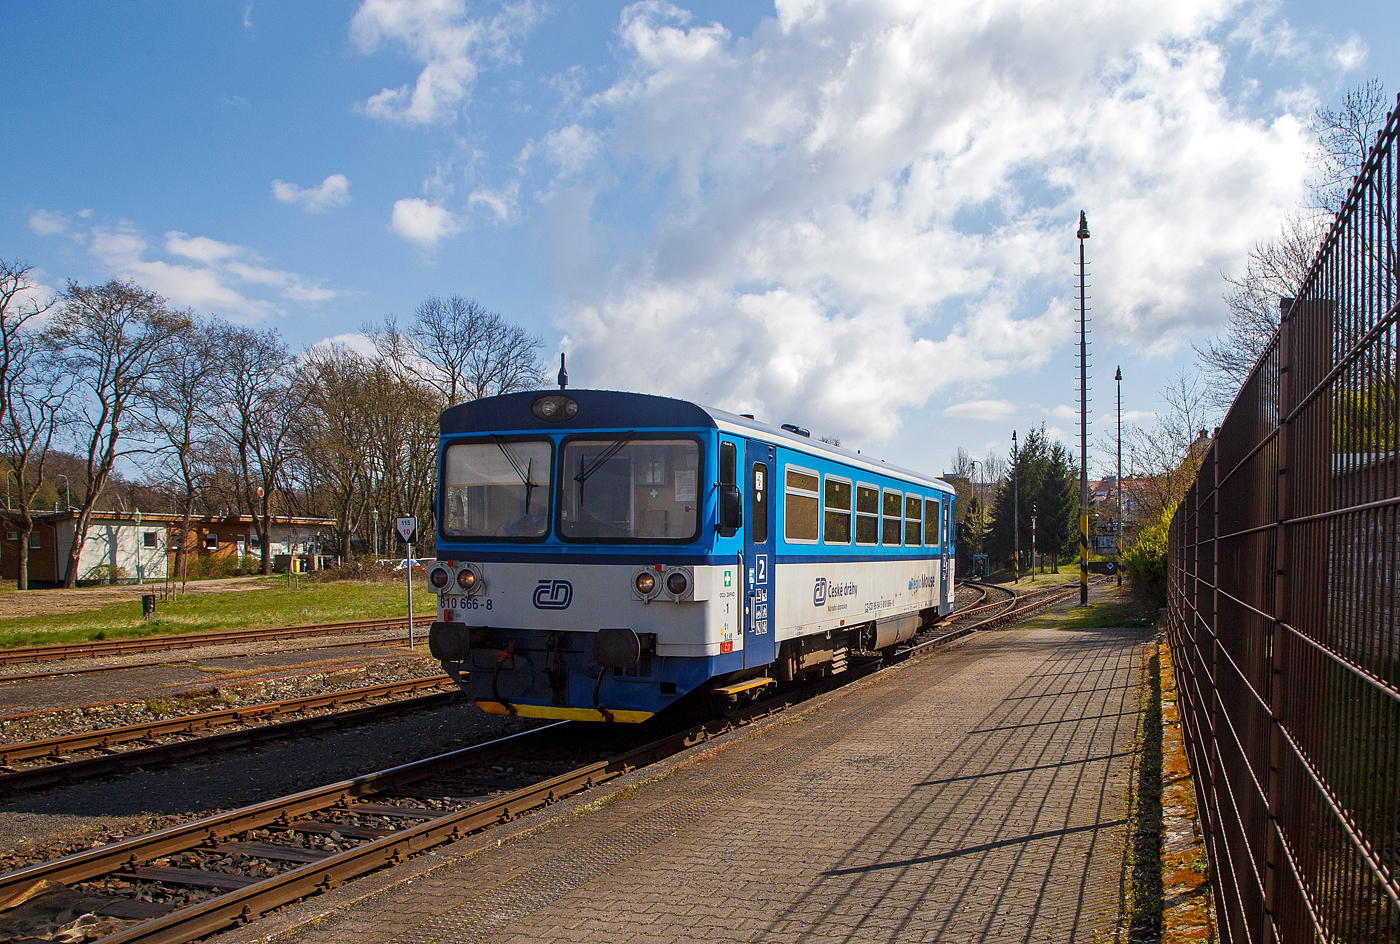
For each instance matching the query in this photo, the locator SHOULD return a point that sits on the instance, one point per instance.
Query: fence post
(1286, 398)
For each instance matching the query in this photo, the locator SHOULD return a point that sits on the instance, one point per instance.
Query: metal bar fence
(1283, 575)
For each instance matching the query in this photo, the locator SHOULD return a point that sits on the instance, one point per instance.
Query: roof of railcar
(614, 409)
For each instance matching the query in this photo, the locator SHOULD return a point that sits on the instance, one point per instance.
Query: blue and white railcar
(601, 555)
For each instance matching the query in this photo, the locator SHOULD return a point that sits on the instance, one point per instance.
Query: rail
(430, 692)
(1283, 575)
(111, 647)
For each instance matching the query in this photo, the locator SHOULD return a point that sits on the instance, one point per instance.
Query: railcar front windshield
(497, 489)
(628, 489)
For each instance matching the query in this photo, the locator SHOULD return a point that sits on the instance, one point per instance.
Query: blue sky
(857, 217)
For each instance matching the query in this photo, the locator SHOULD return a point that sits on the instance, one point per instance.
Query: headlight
(646, 584)
(466, 579)
(677, 583)
(439, 577)
(554, 407)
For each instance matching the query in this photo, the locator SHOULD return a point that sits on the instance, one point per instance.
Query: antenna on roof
(563, 374)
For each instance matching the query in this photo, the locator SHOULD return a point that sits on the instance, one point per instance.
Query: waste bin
(148, 605)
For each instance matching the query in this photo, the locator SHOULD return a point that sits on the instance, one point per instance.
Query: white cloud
(1351, 54)
(450, 45)
(865, 204)
(217, 278)
(571, 148)
(48, 222)
(334, 191)
(422, 222)
(355, 341)
(502, 202)
(988, 410)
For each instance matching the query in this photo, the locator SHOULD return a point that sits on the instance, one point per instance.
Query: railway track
(56, 763)
(221, 871)
(984, 616)
(111, 647)
(390, 642)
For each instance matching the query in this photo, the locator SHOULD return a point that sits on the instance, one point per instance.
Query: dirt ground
(14, 604)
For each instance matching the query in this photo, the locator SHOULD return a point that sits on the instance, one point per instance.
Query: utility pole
(1016, 505)
(1118, 376)
(1082, 235)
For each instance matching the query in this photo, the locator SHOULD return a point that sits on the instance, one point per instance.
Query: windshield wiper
(603, 457)
(524, 474)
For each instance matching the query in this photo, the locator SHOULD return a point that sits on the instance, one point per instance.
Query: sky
(858, 217)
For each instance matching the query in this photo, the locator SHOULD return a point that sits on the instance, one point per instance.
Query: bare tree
(38, 391)
(961, 475)
(178, 420)
(331, 438)
(1275, 270)
(460, 349)
(113, 340)
(506, 360)
(18, 305)
(256, 411)
(1345, 137)
(1168, 455)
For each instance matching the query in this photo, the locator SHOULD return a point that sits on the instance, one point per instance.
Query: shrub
(104, 574)
(1145, 562)
(360, 569)
(205, 568)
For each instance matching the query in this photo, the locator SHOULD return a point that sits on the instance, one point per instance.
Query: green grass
(1069, 573)
(274, 605)
(1145, 843)
(1102, 616)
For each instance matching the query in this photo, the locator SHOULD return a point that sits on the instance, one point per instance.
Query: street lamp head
(1083, 226)
(1118, 376)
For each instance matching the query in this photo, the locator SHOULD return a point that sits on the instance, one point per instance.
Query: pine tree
(1042, 474)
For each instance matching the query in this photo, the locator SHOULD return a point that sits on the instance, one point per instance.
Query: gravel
(158, 697)
(39, 827)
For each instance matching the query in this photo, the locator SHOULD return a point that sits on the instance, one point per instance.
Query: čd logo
(553, 595)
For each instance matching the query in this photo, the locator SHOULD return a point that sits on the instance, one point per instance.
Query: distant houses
(136, 547)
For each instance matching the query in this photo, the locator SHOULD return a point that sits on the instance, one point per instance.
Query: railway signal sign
(407, 527)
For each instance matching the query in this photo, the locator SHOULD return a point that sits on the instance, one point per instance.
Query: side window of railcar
(728, 464)
(932, 521)
(800, 509)
(867, 514)
(497, 489)
(893, 517)
(837, 519)
(913, 520)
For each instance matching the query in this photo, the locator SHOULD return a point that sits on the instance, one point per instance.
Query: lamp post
(976, 498)
(1118, 376)
(375, 511)
(1082, 235)
(1016, 506)
(67, 493)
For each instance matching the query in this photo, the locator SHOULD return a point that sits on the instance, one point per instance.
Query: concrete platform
(977, 795)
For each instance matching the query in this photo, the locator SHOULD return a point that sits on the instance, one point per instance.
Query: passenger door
(760, 646)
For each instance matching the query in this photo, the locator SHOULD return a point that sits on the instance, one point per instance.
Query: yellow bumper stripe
(558, 713)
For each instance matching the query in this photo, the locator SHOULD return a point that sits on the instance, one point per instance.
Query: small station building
(136, 547)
